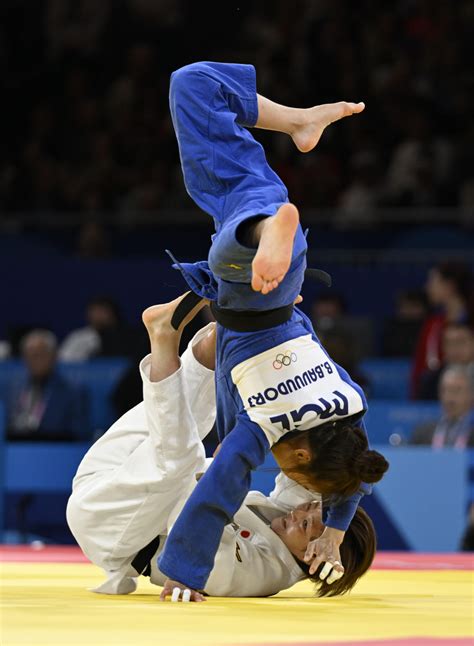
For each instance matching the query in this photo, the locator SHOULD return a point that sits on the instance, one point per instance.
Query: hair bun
(370, 466)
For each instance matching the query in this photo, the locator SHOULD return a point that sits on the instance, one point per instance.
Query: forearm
(194, 539)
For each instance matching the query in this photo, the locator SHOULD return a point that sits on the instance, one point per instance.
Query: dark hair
(333, 297)
(357, 553)
(460, 275)
(341, 459)
(107, 302)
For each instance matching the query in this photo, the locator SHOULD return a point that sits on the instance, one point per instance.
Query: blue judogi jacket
(259, 397)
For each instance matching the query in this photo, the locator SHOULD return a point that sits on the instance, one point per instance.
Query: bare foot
(157, 318)
(275, 248)
(314, 121)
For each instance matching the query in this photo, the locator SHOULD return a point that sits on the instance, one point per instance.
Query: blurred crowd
(432, 327)
(85, 87)
(86, 130)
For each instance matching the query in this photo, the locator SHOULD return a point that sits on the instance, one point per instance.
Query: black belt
(254, 321)
(141, 562)
(251, 321)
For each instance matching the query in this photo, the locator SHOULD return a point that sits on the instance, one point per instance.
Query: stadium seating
(98, 377)
(388, 378)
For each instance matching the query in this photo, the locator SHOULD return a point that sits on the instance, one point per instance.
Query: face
(437, 288)
(297, 528)
(100, 316)
(39, 357)
(411, 310)
(326, 309)
(291, 459)
(458, 345)
(455, 394)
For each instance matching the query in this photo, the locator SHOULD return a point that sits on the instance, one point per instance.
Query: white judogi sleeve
(288, 494)
(130, 479)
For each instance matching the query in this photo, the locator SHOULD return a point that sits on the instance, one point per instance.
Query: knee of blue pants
(184, 78)
(228, 259)
(231, 263)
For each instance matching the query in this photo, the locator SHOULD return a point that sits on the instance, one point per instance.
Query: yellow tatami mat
(46, 604)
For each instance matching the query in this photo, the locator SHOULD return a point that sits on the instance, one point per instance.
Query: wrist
(336, 535)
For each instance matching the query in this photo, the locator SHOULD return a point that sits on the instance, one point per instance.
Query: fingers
(325, 571)
(181, 594)
(315, 564)
(335, 576)
(332, 571)
(312, 553)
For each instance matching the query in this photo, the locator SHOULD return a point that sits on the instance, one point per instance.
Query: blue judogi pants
(227, 175)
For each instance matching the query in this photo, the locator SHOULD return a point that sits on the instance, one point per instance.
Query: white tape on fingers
(186, 595)
(325, 571)
(175, 594)
(334, 576)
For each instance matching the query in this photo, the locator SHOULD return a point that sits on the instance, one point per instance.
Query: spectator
(43, 405)
(450, 290)
(455, 427)
(104, 335)
(108, 58)
(457, 348)
(401, 331)
(5, 349)
(341, 347)
(93, 241)
(329, 313)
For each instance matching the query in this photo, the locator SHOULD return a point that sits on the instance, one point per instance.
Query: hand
(179, 591)
(325, 549)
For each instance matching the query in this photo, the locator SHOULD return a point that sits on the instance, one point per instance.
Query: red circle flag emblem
(245, 533)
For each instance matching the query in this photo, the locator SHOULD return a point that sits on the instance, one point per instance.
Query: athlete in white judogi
(133, 482)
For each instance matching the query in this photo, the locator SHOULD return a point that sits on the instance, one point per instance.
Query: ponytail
(370, 466)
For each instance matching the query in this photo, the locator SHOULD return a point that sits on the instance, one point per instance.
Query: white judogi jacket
(133, 482)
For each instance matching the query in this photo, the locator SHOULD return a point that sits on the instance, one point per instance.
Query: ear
(303, 456)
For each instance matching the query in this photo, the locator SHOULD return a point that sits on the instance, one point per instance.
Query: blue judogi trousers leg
(227, 175)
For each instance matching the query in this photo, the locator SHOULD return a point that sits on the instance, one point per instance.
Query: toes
(349, 108)
(265, 285)
(257, 283)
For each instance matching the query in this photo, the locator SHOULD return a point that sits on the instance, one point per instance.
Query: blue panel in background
(42, 466)
(425, 492)
(388, 378)
(393, 422)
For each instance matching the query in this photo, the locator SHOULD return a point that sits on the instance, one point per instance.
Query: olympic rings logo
(284, 359)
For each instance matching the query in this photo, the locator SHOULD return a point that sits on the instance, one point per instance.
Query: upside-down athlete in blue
(277, 389)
